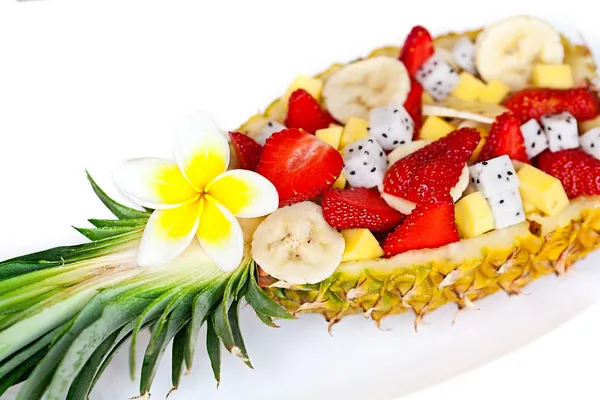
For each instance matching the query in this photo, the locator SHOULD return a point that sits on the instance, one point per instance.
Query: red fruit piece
(428, 226)
(299, 165)
(429, 174)
(418, 47)
(304, 112)
(505, 138)
(578, 171)
(247, 150)
(414, 105)
(535, 102)
(358, 208)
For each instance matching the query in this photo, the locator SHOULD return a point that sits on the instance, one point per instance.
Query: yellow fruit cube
(427, 99)
(468, 88)
(311, 85)
(435, 128)
(529, 208)
(478, 149)
(360, 245)
(542, 191)
(494, 92)
(473, 215)
(590, 124)
(355, 129)
(340, 182)
(331, 136)
(557, 76)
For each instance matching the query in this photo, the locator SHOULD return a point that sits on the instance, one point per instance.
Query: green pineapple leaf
(119, 210)
(178, 355)
(213, 348)
(95, 234)
(265, 319)
(262, 303)
(118, 223)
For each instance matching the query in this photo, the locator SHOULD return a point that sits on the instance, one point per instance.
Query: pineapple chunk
(311, 85)
(473, 215)
(542, 191)
(559, 76)
(529, 208)
(427, 99)
(435, 128)
(331, 136)
(469, 87)
(355, 129)
(494, 92)
(479, 147)
(360, 245)
(590, 124)
(340, 182)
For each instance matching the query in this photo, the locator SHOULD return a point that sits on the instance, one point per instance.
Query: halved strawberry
(428, 174)
(299, 165)
(358, 208)
(418, 47)
(529, 103)
(306, 113)
(428, 226)
(414, 105)
(505, 138)
(247, 150)
(578, 171)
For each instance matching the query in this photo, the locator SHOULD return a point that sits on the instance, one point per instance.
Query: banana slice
(296, 245)
(466, 110)
(366, 84)
(507, 50)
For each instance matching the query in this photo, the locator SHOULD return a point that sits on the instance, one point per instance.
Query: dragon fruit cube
(463, 54)
(507, 208)
(561, 130)
(365, 163)
(494, 176)
(437, 77)
(590, 142)
(391, 126)
(270, 128)
(536, 140)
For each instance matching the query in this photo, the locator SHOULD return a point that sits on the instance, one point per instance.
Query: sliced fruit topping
(578, 171)
(414, 105)
(299, 165)
(247, 150)
(358, 208)
(304, 112)
(427, 227)
(530, 103)
(429, 174)
(360, 245)
(417, 49)
(505, 138)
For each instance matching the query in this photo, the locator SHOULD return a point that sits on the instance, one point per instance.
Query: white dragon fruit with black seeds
(437, 77)
(507, 208)
(494, 176)
(463, 54)
(391, 126)
(365, 163)
(535, 138)
(590, 142)
(562, 131)
(270, 128)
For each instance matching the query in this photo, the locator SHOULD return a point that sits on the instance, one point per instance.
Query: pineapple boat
(441, 171)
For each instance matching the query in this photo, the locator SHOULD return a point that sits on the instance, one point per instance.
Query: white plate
(87, 85)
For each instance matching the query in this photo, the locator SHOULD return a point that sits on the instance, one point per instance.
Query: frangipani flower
(195, 197)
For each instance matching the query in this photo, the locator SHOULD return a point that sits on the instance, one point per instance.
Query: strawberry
(578, 171)
(428, 174)
(428, 226)
(414, 106)
(358, 208)
(304, 112)
(247, 150)
(505, 138)
(299, 165)
(535, 102)
(418, 47)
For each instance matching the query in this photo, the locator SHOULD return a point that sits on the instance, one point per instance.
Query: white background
(87, 84)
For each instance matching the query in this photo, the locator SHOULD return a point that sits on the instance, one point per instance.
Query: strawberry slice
(529, 103)
(428, 226)
(428, 174)
(358, 208)
(304, 112)
(299, 165)
(414, 105)
(505, 138)
(578, 171)
(247, 150)
(418, 47)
